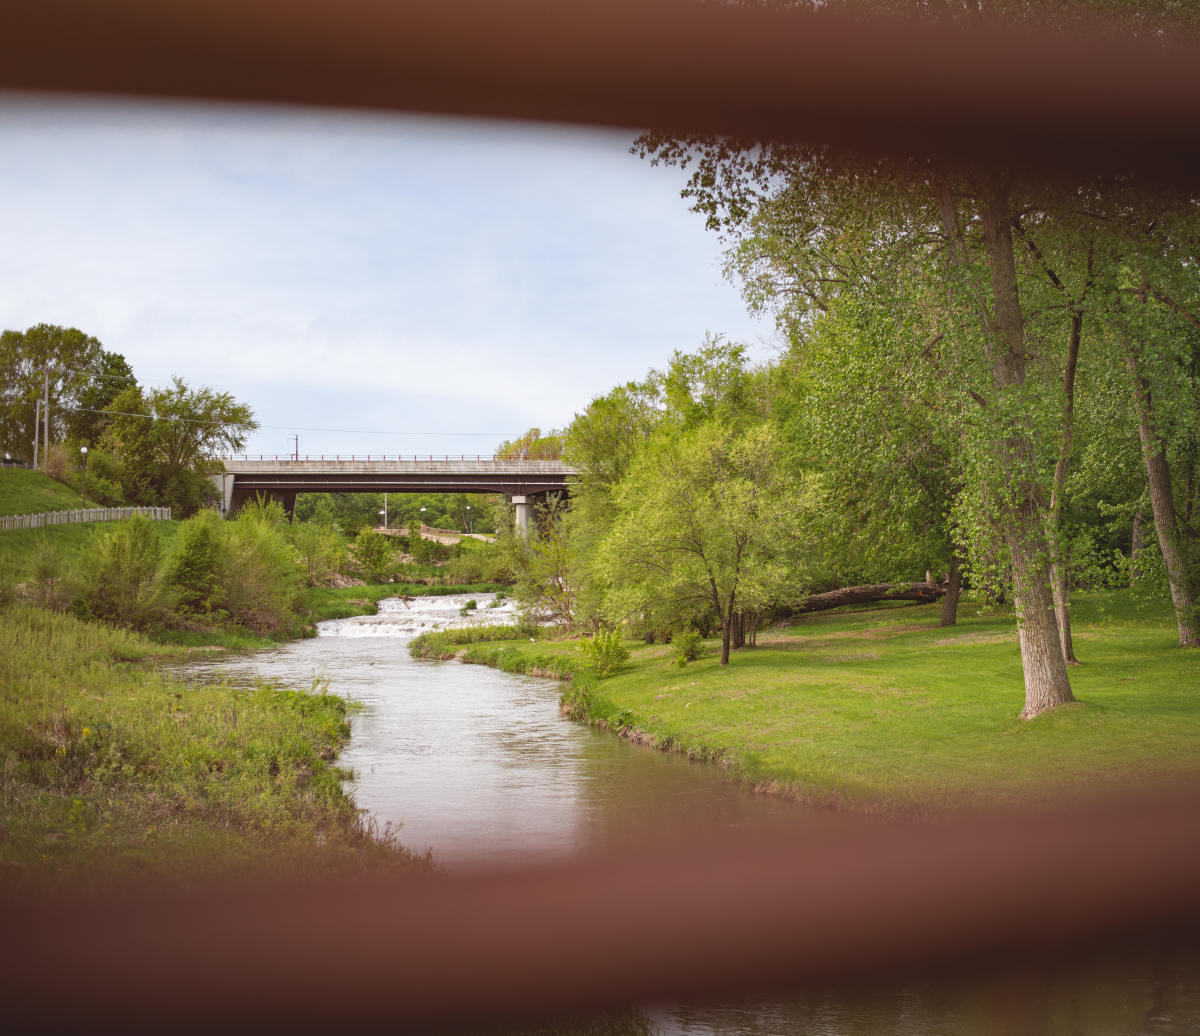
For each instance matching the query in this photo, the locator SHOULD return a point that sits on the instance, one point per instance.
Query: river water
(480, 767)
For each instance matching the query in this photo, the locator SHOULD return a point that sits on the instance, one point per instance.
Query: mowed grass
(23, 491)
(110, 767)
(883, 711)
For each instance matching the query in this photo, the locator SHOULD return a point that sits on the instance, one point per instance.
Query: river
(479, 767)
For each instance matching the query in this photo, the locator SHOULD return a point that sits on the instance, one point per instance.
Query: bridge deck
(375, 474)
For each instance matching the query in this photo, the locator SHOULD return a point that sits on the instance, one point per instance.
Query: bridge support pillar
(225, 484)
(524, 509)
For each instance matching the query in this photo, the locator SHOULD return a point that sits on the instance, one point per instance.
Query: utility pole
(37, 431)
(46, 413)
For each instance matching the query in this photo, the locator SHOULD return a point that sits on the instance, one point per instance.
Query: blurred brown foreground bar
(1048, 101)
(866, 904)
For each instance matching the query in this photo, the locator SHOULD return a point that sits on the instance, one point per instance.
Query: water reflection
(1149, 993)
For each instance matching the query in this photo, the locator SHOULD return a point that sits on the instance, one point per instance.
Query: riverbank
(884, 712)
(112, 767)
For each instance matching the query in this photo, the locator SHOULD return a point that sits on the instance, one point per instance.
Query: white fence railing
(89, 514)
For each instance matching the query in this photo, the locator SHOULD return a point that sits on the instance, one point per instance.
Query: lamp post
(83, 478)
(422, 516)
(469, 529)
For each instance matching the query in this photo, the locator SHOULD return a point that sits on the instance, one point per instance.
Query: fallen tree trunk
(924, 593)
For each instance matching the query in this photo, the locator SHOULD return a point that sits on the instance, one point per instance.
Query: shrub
(194, 570)
(688, 646)
(123, 581)
(373, 554)
(47, 586)
(605, 652)
(259, 574)
(320, 549)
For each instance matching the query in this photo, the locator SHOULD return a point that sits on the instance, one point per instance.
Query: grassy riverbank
(111, 766)
(884, 712)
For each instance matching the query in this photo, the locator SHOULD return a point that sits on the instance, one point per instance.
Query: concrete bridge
(282, 478)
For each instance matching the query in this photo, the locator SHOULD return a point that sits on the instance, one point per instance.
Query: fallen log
(923, 593)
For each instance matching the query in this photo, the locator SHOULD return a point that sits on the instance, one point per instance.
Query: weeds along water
(112, 765)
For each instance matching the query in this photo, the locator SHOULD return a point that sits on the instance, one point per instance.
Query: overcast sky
(357, 278)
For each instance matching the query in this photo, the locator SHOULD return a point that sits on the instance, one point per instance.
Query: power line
(278, 427)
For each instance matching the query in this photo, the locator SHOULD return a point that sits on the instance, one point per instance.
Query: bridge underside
(527, 482)
(526, 485)
(526, 494)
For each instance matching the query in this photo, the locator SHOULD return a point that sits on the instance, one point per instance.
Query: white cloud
(342, 270)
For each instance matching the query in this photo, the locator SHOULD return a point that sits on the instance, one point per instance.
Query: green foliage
(533, 445)
(477, 562)
(72, 356)
(260, 576)
(544, 564)
(113, 766)
(704, 520)
(321, 549)
(605, 652)
(374, 556)
(48, 585)
(688, 645)
(121, 579)
(168, 440)
(194, 571)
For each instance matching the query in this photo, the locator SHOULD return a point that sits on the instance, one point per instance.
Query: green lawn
(883, 711)
(30, 492)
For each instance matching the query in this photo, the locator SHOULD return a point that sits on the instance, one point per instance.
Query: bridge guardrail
(85, 514)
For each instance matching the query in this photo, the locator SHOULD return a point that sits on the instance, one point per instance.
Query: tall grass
(107, 764)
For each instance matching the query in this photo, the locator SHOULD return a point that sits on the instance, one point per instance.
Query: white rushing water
(409, 616)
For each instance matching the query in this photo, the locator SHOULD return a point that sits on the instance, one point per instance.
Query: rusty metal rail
(1077, 100)
(865, 904)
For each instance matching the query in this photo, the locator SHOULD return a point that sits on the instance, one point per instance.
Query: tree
(68, 355)
(108, 376)
(533, 445)
(962, 222)
(169, 441)
(705, 518)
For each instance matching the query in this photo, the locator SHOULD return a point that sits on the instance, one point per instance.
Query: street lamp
(383, 515)
(83, 478)
(469, 530)
(422, 515)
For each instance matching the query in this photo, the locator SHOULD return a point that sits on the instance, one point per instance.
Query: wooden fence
(87, 514)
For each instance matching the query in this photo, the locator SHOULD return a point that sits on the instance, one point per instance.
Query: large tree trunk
(1166, 520)
(1046, 681)
(1058, 574)
(870, 593)
(953, 590)
(1135, 548)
